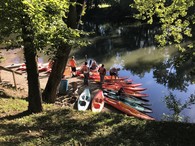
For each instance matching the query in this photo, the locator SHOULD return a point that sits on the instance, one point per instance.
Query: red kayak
(131, 87)
(124, 83)
(126, 91)
(98, 102)
(96, 77)
(127, 109)
(134, 93)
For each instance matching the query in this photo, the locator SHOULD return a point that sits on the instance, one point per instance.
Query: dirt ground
(67, 99)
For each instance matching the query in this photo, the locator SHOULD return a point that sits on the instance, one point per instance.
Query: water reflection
(176, 107)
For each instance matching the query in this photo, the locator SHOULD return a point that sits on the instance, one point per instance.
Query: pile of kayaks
(127, 97)
(130, 105)
(42, 67)
(121, 93)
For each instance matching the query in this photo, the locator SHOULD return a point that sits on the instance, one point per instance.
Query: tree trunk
(34, 92)
(49, 94)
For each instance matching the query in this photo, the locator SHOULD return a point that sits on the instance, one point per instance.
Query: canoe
(84, 100)
(126, 91)
(98, 102)
(130, 103)
(127, 109)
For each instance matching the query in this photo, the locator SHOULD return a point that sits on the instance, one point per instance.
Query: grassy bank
(66, 126)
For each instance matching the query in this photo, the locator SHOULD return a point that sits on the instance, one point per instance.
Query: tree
(40, 25)
(16, 21)
(173, 17)
(63, 50)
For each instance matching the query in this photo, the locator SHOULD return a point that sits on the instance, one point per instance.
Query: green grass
(66, 126)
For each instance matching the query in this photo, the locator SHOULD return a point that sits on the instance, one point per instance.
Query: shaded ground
(65, 126)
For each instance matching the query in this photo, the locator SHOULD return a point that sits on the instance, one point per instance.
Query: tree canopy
(173, 16)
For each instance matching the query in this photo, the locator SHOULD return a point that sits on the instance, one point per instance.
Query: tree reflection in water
(176, 106)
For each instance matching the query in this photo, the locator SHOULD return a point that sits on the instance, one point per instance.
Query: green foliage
(47, 22)
(172, 15)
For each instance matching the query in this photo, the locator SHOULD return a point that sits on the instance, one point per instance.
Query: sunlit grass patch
(9, 106)
(104, 6)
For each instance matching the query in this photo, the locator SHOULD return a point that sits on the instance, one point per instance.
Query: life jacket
(72, 63)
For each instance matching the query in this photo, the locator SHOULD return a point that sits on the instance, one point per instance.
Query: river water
(132, 48)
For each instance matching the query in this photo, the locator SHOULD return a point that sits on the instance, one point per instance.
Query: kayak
(128, 98)
(124, 83)
(127, 109)
(131, 103)
(84, 100)
(96, 77)
(14, 65)
(131, 87)
(98, 102)
(41, 67)
(134, 93)
(126, 91)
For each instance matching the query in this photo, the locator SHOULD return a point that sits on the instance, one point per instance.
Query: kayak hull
(130, 102)
(84, 100)
(98, 102)
(127, 110)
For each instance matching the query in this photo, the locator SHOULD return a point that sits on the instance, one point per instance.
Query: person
(72, 63)
(114, 72)
(94, 65)
(102, 72)
(85, 71)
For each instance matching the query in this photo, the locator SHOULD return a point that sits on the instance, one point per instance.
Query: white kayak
(84, 100)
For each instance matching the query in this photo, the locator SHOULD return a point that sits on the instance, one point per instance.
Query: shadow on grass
(70, 127)
(17, 116)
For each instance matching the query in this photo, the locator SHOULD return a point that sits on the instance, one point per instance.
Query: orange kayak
(98, 102)
(127, 109)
